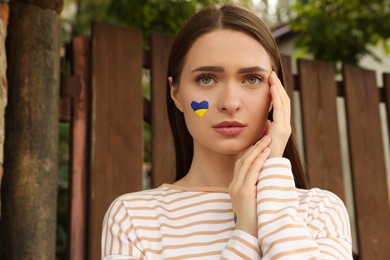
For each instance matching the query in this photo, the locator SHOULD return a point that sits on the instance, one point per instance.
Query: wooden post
(4, 11)
(386, 87)
(320, 127)
(367, 163)
(29, 188)
(163, 150)
(116, 122)
(77, 238)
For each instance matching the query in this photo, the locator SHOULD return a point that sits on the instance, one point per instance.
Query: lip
(229, 128)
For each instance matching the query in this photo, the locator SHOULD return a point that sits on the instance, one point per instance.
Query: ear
(175, 94)
(270, 108)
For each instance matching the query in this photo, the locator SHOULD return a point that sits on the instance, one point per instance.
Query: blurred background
(340, 31)
(353, 32)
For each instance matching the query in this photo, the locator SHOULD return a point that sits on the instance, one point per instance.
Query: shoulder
(322, 205)
(316, 196)
(317, 201)
(324, 211)
(163, 196)
(139, 198)
(157, 194)
(316, 192)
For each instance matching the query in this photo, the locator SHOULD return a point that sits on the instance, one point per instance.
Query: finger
(254, 171)
(247, 160)
(280, 100)
(247, 151)
(239, 162)
(277, 104)
(286, 104)
(267, 127)
(285, 99)
(275, 85)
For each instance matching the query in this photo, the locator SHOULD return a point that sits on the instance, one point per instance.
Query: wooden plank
(65, 109)
(367, 163)
(320, 125)
(69, 89)
(117, 122)
(163, 153)
(77, 239)
(147, 111)
(386, 95)
(70, 86)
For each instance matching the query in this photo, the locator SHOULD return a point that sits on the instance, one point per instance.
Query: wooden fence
(103, 100)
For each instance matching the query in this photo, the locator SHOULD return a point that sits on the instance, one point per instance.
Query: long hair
(207, 20)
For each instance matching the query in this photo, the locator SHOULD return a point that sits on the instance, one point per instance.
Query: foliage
(341, 30)
(148, 15)
(63, 180)
(158, 16)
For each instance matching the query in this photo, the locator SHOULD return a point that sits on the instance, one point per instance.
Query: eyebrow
(252, 69)
(221, 69)
(208, 68)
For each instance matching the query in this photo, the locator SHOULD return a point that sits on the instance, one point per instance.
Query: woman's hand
(280, 128)
(242, 189)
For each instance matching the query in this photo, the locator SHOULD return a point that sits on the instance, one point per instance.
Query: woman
(240, 185)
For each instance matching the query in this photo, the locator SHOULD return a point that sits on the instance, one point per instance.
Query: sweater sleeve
(117, 234)
(283, 233)
(241, 245)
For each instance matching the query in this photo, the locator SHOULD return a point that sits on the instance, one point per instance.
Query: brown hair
(204, 21)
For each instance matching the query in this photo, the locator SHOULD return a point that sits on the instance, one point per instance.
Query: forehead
(225, 47)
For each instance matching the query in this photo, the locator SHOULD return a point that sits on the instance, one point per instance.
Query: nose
(229, 99)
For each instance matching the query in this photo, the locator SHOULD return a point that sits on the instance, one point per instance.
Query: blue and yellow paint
(200, 108)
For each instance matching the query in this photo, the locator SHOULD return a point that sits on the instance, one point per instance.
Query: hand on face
(242, 189)
(280, 128)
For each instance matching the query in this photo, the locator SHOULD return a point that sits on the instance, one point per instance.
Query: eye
(205, 79)
(253, 79)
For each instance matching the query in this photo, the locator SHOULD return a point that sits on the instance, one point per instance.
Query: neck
(209, 169)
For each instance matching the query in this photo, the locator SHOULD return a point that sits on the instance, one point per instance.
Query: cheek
(196, 107)
(259, 120)
(196, 121)
(260, 115)
(260, 111)
(261, 100)
(200, 108)
(196, 113)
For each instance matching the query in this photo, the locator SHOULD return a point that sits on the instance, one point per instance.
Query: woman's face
(225, 74)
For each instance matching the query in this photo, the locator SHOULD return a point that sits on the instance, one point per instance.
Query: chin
(232, 149)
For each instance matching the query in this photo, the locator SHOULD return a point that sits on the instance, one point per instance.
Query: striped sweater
(173, 222)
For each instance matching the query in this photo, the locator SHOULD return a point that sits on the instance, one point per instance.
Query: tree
(150, 16)
(341, 30)
(29, 191)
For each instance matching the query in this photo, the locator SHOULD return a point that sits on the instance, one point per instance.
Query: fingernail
(266, 138)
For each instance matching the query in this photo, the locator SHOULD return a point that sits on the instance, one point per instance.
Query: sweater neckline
(196, 188)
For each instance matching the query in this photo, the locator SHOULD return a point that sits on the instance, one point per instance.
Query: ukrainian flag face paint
(200, 108)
